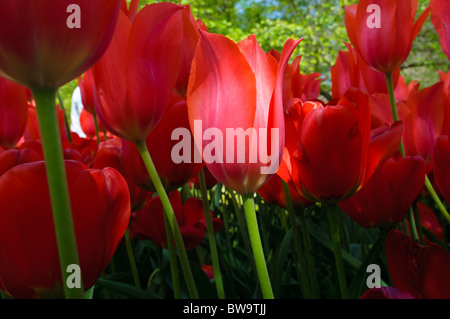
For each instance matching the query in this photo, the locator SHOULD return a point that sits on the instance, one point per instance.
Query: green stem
(211, 238)
(417, 218)
(309, 257)
(255, 241)
(66, 120)
(391, 91)
(96, 128)
(412, 222)
(332, 211)
(57, 183)
(134, 271)
(168, 210)
(297, 242)
(436, 199)
(173, 260)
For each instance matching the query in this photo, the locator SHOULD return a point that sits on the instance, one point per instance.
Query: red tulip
(338, 151)
(148, 223)
(173, 166)
(350, 70)
(421, 271)
(441, 165)
(383, 35)
(29, 263)
(440, 17)
(86, 84)
(386, 293)
(429, 221)
(32, 131)
(209, 179)
(385, 198)
(136, 77)
(48, 43)
(236, 87)
(87, 124)
(424, 122)
(110, 154)
(13, 112)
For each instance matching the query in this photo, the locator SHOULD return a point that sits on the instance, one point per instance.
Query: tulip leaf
(356, 287)
(126, 290)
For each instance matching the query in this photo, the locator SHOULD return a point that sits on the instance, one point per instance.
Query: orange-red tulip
(233, 89)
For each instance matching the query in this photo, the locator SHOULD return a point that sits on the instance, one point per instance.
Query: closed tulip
(237, 90)
(29, 264)
(135, 79)
(440, 17)
(175, 167)
(441, 167)
(45, 44)
(13, 112)
(386, 197)
(383, 35)
(338, 152)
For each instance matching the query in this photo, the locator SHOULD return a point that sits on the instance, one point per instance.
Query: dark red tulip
(429, 221)
(338, 152)
(87, 125)
(29, 263)
(136, 77)
(384, 46)
(421, 271)
(440, 17)
(13, 112)
(45, 44)
(210, 180)
(173, 168)
(32, 131)
(148, 223)
(110, 154)
(244, 94)
(441, 165)
(386, 293)
(385, 198)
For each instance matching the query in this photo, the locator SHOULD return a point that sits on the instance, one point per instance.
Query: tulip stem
(332, 211)
(211, 237)
(168, 210)
(255, 241)
(66, 121)
(173, 260)
(96, 128)
(436, 199)
(134, 271)
(45, 99)
(297, 243)
(391, 90)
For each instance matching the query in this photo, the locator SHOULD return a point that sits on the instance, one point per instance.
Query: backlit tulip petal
(440, 17)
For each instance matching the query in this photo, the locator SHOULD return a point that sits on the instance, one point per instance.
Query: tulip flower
(350, 70)
(90, 125)
(32, 130)
(131, 10)
(55, 44)
(29, 264)
(440, 17)
(383, 31)
(386, 197)
(175, 168)
(148, 223)
(246, 83)
(441, 167)
(209, 179)
(338, 152)
(134, 80)
(13, 112)
(110, 154)
(422, 271)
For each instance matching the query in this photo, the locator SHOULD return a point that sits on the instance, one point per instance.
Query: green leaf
(126, 289)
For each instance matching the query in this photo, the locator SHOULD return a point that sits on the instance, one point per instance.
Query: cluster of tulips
(378, 151)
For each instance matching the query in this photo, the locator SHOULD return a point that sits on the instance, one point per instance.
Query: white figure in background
(75, 112)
